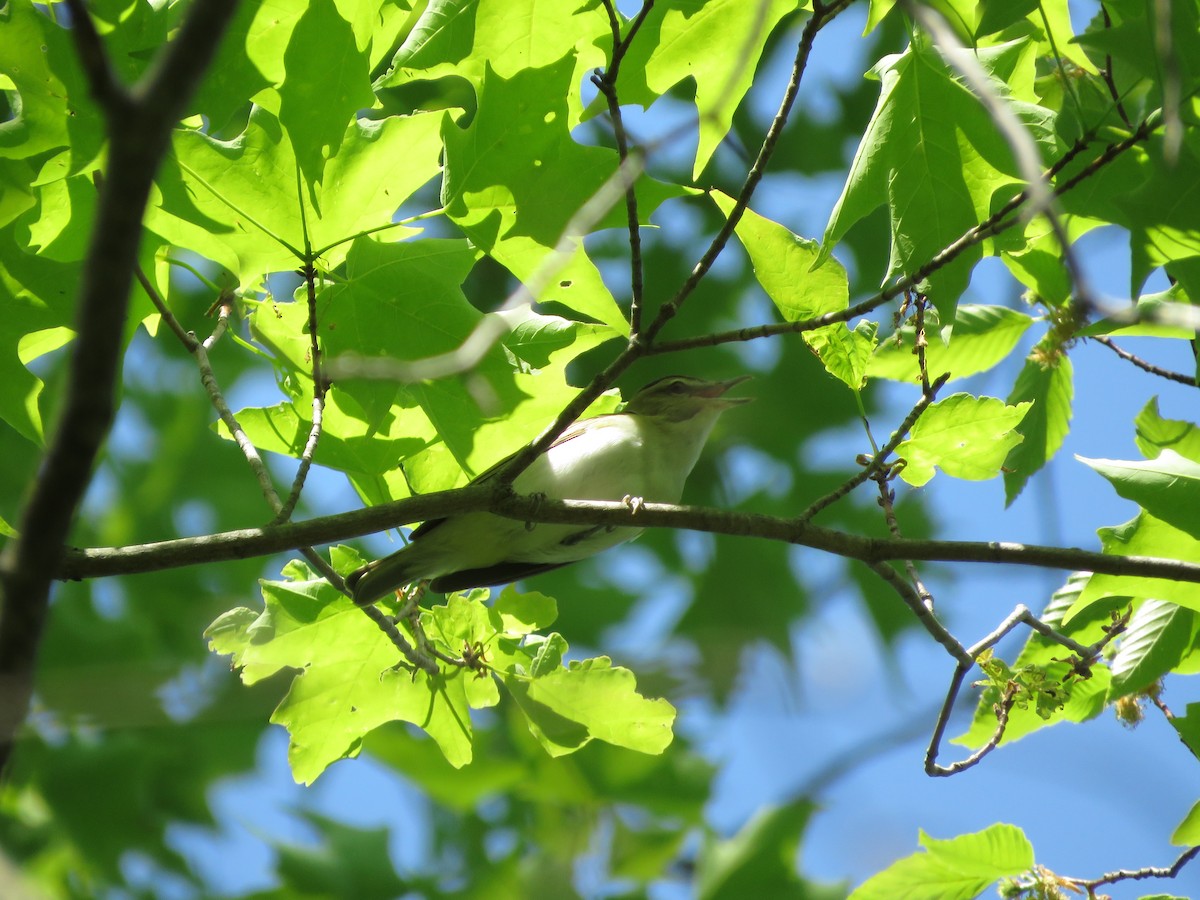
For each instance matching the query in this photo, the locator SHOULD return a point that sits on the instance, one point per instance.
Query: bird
(644, 453)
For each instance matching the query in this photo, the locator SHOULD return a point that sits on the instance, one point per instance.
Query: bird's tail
(382, 577)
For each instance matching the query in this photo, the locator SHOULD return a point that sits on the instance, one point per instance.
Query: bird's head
(678, 398)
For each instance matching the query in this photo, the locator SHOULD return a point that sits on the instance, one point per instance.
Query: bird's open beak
(718, 388)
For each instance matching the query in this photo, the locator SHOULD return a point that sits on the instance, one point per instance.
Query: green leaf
(1167, 487)
(1156, 639)
(37, 305)
(1187, 832)
(348, 862)
(713, 43)
(1045, 659)
(1188, 728)
(933, 154)
(1155, 434)
(591, 700)
(790, 269)
(348, 442)
(526, 611)
(979, 338)
(55, 109)
(967, 437)
(845, 354)
(515, 177)
(1147, 312)
(1143, 536)
(959, 868)
(1049, 386)
(464, 39)
(327, 80)
(758, 861)
(238, 202)
(803, 286)
(348, 682)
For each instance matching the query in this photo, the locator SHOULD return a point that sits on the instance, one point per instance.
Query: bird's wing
(501, 573)
(570, 434)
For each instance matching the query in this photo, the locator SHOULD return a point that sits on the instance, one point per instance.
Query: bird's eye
(677, 387)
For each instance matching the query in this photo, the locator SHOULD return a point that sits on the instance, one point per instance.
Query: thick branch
(139, 131)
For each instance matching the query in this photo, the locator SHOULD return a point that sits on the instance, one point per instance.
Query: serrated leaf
(979, 338)
(966, 437)
(846, 354)
(1050, 388)
(1167, 487)
(933, 154)
(1153, 643)
(1143, 536)
(959, 868)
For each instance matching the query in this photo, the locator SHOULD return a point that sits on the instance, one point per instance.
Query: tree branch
(139, 133)
(250, 542)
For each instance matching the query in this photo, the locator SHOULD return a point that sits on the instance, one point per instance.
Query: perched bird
(644, 452)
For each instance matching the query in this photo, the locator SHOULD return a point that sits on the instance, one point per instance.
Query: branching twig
(999, 222)
(822, 15)
(1084, 658)
(607, 84)
(879, 460)
(1170, 871)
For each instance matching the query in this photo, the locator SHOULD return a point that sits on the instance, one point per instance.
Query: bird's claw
(635, 504)
(537, 499)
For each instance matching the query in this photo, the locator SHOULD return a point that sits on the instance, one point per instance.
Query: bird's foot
(635, 504)
(537, 499)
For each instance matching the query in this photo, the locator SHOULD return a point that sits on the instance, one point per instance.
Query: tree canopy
(276, 276)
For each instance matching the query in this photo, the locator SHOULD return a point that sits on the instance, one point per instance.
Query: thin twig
(1024, 150)
(997, 223)
(923, 613)
(1107, 74)
(1170, 871)
(822, 15)
(887, 500)
(1085, 657)
(318, 399)
(879, 460)
(1145, 366)
(607, 85)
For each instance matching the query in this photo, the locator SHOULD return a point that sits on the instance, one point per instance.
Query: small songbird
(643, 453)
